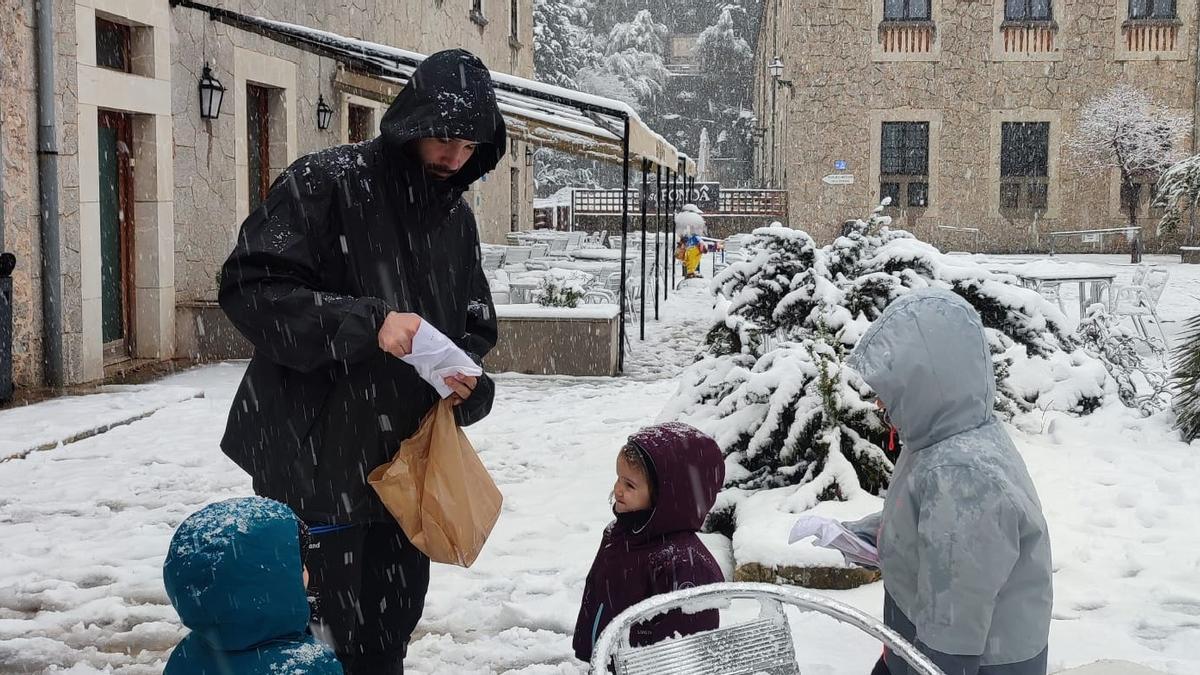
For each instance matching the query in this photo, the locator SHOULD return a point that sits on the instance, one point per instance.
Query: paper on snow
(832, 534)
(435, 358)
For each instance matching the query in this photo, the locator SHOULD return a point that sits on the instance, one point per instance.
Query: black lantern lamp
(776, 67)
(324, 113)
(212, 93)
(528, 157)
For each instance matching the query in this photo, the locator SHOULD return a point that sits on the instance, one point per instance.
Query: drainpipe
(48, 197)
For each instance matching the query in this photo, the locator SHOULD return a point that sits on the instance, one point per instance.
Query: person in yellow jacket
(689, 251)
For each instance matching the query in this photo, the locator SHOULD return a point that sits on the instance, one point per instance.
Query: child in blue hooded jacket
(234, 573)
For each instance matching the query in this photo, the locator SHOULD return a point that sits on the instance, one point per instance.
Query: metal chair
(517, 254)
(599, 296)
(493, 259)
(761, 645)
(1140, 300)
(540, 250)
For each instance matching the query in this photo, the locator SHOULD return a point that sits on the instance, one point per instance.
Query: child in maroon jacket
(668, 476)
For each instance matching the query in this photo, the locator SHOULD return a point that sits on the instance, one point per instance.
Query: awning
(539, 114)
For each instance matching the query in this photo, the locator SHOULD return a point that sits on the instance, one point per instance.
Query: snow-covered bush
(562, 288)
(770, 385)
(1141, 383)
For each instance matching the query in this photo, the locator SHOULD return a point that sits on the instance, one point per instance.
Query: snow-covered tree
(633, 68)
(770, 386)
(1186, 379)
(554, 170)
(1125, 130)
(1178, 191)
(560, 35)
(643, 74)
(643, 34)
(721, 53)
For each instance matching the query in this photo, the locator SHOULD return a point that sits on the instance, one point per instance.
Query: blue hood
(234, 575)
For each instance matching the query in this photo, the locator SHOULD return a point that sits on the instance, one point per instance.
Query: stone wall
(555, 345)
(18, 164)
(841, 91)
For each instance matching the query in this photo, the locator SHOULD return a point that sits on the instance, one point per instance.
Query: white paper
(830, 533)
(435, 358)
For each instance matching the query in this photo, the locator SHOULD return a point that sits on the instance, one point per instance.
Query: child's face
(632, 491)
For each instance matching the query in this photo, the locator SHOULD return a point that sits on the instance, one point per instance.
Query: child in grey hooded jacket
(964, 548)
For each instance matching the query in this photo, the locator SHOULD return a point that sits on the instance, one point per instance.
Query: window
(361, 123)
(1151, 9)
(513, 26)
(906, 10)
(1027, 10)
(904, 164)
(113, 46)
(258, 143)
(1024, 165)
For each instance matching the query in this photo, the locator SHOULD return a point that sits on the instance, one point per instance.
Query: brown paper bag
(438, 490)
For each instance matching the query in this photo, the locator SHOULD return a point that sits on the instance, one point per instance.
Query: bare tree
(1126, 130)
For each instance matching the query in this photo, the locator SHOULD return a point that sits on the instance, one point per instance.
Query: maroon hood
(690, 470)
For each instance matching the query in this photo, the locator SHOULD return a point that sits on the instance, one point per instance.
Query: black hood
(450, 95)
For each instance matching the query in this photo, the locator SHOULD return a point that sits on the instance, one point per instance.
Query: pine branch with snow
(1186, 379)
(1178, 191)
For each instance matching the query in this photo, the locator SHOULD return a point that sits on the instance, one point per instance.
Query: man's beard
(439, 172)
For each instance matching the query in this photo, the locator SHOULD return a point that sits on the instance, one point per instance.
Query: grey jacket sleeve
(968, 542)
(866, 528)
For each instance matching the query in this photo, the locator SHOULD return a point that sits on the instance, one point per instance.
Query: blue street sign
(840, 165)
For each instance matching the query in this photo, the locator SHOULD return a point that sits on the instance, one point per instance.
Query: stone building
(960, 110)
(151, 195)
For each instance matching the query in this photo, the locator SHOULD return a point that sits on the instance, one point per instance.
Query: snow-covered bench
(1190, 254)
(761, 645)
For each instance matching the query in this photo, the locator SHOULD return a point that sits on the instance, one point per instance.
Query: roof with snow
(537, 113)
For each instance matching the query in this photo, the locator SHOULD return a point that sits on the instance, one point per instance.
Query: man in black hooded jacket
(353, 247)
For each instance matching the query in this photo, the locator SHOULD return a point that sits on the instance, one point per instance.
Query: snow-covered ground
(84, 527)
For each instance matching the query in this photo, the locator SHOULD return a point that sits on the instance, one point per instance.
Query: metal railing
(736, 202)
(1086, 235)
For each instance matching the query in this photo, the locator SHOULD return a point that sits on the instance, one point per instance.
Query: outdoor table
(1094, 285)
(519, 289)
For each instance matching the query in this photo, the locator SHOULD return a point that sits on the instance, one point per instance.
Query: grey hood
(927, 359)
